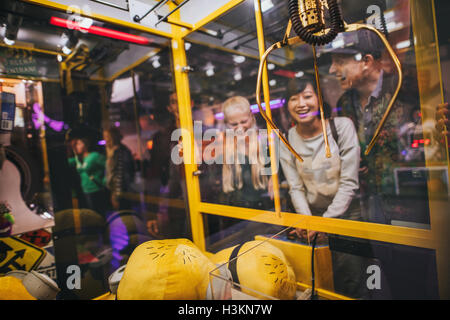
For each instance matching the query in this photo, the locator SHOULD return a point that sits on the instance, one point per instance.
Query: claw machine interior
(154, 80)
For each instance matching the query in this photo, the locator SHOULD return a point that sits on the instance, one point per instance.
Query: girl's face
(240, 121)
(304, 106)
(80, 147)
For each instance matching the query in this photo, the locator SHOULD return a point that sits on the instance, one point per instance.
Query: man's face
(347, 70)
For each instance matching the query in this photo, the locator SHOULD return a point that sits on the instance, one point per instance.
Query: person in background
(171, 176)
(120, 168)
(443, 121)
(368, 87)
(90, 166)
(368, 84)
(322, 186)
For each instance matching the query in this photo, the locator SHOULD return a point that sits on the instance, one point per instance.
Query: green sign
(17, 62)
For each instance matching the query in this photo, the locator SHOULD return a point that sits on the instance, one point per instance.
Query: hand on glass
(363, 169)
(152, 227)
(309, 235)
(270, 188)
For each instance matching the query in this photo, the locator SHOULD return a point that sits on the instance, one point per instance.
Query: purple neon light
(39, 118)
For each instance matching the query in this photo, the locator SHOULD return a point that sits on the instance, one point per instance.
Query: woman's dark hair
(86, 142)
(115, 134)
(298, 85)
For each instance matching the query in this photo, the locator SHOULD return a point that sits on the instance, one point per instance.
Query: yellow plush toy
(24, 285)
(11, 288)
(172, 269)
(263, 268)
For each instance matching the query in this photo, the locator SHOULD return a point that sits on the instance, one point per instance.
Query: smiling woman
(320, 185)
(303, 105)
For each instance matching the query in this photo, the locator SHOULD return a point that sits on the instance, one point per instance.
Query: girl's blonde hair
(232, 173)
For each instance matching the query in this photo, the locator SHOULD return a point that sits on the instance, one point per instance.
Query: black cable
(313, 281)
(307, 33)
(136, 18)
(383, 26)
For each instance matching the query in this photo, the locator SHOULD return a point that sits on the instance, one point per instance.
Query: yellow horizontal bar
(324, 293)
(32, 49)
(102, 297)
(10, 76)
(100, 17)
(366, 230)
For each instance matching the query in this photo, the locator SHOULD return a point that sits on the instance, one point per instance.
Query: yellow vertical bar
(266, 91)
(184, 108)
(427, 61)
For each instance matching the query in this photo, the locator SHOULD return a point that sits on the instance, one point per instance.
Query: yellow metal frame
(429, 239)
(426, 46)
(99, 17)
(437, 238)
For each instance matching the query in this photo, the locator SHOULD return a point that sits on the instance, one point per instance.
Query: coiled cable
(307, 33)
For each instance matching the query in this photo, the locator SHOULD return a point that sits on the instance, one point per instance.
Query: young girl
(242, 180)
(319, 185)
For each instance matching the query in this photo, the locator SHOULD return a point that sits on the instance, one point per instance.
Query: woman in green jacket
(90, 166)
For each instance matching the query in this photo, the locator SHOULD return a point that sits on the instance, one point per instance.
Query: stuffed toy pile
(175, 269)
(263, 268)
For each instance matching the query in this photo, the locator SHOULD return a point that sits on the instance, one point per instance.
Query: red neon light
(104, 32)
(285, 73)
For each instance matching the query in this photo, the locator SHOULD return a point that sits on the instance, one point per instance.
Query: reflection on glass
(358, 81)
(287, 265)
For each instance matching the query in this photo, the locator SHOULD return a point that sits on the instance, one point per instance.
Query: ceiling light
(210, 72)
(266, 5)
(13, 23)
(68, 42)
(237, 75)
(211, 32)
(299, 74)
(270, 66)
(338, 43)
(86, 23)
(403, 44)
(238, 59)
(358, 57)
(156, 64)
(272, 82)
(66, 50)
(8, 41)
(209, 69)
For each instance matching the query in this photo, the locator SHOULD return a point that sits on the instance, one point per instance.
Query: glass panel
(392, 184)
(222, 232)
(108, 191)
(237, 172)
(289, 265)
